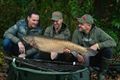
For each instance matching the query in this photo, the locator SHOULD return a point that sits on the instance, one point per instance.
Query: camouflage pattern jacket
(64, 32)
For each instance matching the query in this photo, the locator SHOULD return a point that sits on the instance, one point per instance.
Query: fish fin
(53, 55)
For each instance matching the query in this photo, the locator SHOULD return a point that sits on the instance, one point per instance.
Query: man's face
(84, 27)
(57, 23)
(33, 20)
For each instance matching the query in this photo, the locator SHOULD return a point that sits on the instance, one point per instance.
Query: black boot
(103, 68)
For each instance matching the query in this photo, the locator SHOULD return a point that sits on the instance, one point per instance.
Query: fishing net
(50, 65)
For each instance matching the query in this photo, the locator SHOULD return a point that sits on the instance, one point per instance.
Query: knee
(7, 43)
(107, 52)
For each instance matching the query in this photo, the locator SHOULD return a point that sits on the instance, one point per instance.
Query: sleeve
(75, 40)
(11, 34)
(75, 37)
(105, 40)
(47, 32)
(31, 51)
(74, 53)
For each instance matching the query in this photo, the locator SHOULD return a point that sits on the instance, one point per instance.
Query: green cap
(86, 19)
(57, 15)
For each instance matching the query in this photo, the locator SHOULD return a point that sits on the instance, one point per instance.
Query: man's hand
(21, 48)
(22, 56)
(95, 47)
(80, 58)
(67, 50)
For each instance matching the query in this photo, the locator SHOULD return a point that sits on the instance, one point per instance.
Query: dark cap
(86, 19)
(57, 15)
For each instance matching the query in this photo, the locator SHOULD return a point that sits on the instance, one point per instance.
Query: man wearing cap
(90, 36)
(58, 29)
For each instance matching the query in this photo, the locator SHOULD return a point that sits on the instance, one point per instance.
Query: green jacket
(64, 32)
(96, 35)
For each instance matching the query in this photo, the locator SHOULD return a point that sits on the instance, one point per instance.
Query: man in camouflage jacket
(58, 30)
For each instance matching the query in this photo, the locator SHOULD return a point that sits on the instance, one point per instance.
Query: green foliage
(22, 3)
(86, 6)
(74, 8)
(116, 23)
(9, 14)
(114, 35)
(1, 58)
(116, 15)
(80, 7)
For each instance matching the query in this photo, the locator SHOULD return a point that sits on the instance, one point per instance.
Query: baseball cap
(57, 15)
(86, 19)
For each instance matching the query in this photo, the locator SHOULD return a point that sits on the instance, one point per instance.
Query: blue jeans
(10, 47)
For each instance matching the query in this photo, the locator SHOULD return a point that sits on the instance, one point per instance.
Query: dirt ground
(108, 76)
(3, 70)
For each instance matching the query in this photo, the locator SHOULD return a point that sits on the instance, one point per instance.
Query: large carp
(54, 46)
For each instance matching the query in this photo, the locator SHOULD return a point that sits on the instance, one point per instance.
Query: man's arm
(47, 32)
(11, 34)
(105, 40)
